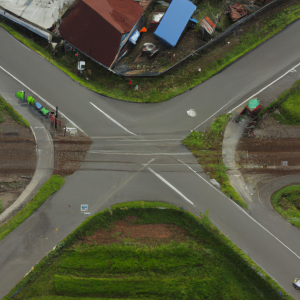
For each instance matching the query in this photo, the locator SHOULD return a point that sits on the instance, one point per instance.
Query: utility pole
(56, 116)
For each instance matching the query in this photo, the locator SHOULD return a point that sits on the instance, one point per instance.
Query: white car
(296, 283)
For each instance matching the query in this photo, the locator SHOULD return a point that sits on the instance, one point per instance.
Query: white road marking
(124, 153)
(109, 117)
(201, 177)
(217, 111)
(293, 69)
(290, 70)
(171, 186)
(245, 212)
(44, 100)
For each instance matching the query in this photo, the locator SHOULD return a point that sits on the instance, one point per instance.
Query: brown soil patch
(270, 146)
(18, 155)
(127, 231)
(17, 160)
(188, 43)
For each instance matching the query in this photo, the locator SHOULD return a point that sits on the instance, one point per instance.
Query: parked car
(296, 283)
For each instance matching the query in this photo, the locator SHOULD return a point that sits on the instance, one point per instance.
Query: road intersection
(137, 155)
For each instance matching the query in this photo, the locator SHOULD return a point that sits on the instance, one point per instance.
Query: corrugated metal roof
(40, 12)
(174, 21)
(122, 14)
(96, 27)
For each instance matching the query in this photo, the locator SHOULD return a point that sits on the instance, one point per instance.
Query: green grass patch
(206, 266)
(183, 77)
(124, 287)
(143, 204)
(82, 298)
(207, 148)
(51, 186)
(9, 110)
(288, 105)
(286, 201)
(117, 259)
(1, 207)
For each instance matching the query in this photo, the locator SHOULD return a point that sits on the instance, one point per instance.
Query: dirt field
(272, 150)
(17, 160)
(189, 42)
(149, 234)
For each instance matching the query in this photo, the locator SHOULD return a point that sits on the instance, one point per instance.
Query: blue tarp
(174, 21)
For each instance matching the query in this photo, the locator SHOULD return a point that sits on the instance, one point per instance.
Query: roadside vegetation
(207, 148)
(286, 201)
(176, 81)
(7, 109)
(202, 264)
(51, 186)
(286, 108)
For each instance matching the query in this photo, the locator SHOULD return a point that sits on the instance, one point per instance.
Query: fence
(265, 9)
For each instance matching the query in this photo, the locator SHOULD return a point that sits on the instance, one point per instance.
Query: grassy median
(207, 148)
(178, 80)
(200, 263)
(286, 201)
(51, 186)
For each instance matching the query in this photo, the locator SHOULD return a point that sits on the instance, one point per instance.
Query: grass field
(286, 201)
(207, 148)
(206, 265)
(178, 80)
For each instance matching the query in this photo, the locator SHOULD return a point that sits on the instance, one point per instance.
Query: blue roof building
(174, 22)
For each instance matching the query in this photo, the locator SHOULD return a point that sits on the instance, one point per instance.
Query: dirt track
(271, 151)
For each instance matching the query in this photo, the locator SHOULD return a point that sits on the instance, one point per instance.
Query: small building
(207, 28)
(100, 28)
(174, 22)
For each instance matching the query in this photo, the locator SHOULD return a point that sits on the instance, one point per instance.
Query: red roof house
(95, 27)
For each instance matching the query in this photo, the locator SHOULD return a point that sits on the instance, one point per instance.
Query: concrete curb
(45, 157)
(233, 132)
(265, 192)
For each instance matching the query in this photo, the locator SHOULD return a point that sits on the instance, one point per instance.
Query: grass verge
(286, 201)
(9, 110)
(287, 106)
(51, 186)
(143, 204)
(206, 266)
(178, 80)
(207, 148)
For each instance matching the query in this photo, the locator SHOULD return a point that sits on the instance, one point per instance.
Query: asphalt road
(137, 155)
